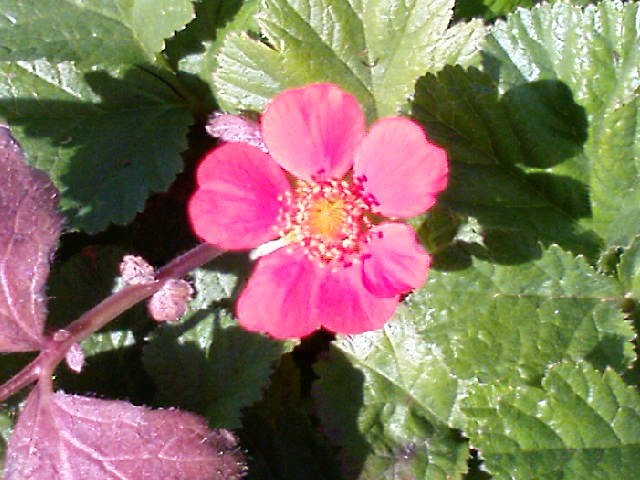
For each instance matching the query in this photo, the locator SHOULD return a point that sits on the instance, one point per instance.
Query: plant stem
(59, 343)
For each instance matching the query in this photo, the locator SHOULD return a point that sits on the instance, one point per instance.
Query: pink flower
(330, 193)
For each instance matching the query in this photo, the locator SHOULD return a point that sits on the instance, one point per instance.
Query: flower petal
(236, 203)
(401, 168)
(278, 296)
(345, 306)
(395, 263)
(313, 131)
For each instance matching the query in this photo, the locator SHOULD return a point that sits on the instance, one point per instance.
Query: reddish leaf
(70, 437)
(29, 230)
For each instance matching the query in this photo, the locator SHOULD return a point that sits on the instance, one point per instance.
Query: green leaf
(629, 269)
(362, 46)
(400, 396)
(90, 32)
(580, 424)
(205, 362)
(489, 8)
(107, 137)
(218, 280)
(516, 159)
(192, 52)
(208, 364)
(594, 51)
(7, 421)
(494, 322)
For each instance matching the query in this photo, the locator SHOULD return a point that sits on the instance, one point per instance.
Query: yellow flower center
(326, 218)
(329, 219)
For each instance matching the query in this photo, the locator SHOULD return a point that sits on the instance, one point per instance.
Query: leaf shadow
(282, 437)
(109, 151)
(191, 39)
(339, 422)
(211, 18)
(516, 163)
(183, 383)
(115, 374)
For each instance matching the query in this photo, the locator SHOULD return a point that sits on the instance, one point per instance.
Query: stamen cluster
(329, 219)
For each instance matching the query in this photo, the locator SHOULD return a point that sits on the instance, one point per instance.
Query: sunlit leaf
(579, 424)
(89, 32)
(374, 49)
(494, 322)
(594, 51)
(108, 137)
(400, 396)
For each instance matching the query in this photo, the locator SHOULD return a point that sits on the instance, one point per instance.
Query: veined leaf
(29, 229)
(594, 51)
(374, 49)
(81, 437)
(208, 364)
(401, 394)
(489, 8)
(192, 52)
(89, 32)
(508, 323)
(516, 160)
(579, 424)
(629, 269)
(106, 136)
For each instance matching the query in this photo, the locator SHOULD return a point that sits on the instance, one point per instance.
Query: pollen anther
(329, 219)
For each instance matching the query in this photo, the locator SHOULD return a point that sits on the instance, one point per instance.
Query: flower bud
(170, 302)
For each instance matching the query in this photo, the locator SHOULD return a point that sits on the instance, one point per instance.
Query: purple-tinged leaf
(234, 128)
(29, 231)
(71, 437)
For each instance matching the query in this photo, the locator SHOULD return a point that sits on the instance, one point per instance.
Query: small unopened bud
(75, 358)
(170, 302)
(234, 128)
(135, 270)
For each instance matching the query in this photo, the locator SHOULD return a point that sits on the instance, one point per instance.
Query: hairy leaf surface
(363, 46)
(206, 362)
(90, 31)
(401, 394)
(107, 136)
(76, 438)
(517, 161)
(594, 51)
(29, 231)
(579, 424)
(494, 322)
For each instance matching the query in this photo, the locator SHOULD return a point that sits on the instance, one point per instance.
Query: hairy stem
(59, 343)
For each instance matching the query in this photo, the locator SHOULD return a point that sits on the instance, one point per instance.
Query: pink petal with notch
(402, 169)
(236, 204)
(394, 263)
(345, 306)
(313, 131)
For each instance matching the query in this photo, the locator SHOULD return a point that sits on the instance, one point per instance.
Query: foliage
(516, 359)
